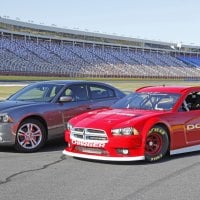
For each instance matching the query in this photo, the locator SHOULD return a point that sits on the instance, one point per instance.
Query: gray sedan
(40, 111)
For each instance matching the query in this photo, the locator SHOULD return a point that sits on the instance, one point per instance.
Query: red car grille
(89, 134)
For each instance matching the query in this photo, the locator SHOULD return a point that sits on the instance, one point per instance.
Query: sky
(175, 21)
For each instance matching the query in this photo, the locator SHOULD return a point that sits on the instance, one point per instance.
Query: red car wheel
(157, 143)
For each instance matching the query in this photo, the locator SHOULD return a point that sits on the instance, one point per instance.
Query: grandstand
(30, 49)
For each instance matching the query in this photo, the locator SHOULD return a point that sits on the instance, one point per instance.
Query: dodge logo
(192, 127)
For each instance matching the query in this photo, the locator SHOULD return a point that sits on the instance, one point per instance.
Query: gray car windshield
(148, 101)
(44, 92)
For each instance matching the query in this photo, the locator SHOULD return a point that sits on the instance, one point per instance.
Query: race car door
(191, 117)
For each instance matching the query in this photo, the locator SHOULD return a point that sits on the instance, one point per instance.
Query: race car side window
(192, 102)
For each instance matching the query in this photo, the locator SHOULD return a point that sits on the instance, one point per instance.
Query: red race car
(145, 125)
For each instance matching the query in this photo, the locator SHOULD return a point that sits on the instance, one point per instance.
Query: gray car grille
(89, 134)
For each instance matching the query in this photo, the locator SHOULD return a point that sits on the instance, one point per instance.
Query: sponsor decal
(88, 144)
(118, 113)
(190, 127)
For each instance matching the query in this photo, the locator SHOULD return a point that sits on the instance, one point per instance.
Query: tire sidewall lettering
(157, 130)
(158, 157)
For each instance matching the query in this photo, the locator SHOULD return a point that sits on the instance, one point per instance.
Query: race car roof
(167, 89)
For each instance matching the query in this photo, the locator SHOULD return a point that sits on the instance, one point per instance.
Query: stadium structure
(33, 49)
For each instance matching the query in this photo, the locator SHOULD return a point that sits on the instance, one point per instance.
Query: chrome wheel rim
(29, 136)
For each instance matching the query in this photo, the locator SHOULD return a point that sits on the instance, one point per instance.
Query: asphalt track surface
(48, 175)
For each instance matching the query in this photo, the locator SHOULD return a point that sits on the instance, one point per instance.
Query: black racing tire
(31, 136)
(157, 144)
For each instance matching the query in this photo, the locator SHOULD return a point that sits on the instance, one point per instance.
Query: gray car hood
(10, 105)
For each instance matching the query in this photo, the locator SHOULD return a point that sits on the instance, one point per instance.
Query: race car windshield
(148, 101)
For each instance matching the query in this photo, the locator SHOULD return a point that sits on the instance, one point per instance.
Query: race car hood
(108, 118)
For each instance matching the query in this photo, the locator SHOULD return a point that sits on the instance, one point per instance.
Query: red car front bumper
(117, 148)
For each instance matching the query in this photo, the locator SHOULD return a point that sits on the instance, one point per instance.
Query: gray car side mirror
(65, 99)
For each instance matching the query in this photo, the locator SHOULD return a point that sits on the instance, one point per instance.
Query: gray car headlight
(125, 131)
(5, 118)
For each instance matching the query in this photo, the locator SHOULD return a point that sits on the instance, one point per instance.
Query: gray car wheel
(31, 136)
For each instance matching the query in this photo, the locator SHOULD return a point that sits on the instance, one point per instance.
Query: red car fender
(150, 123)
